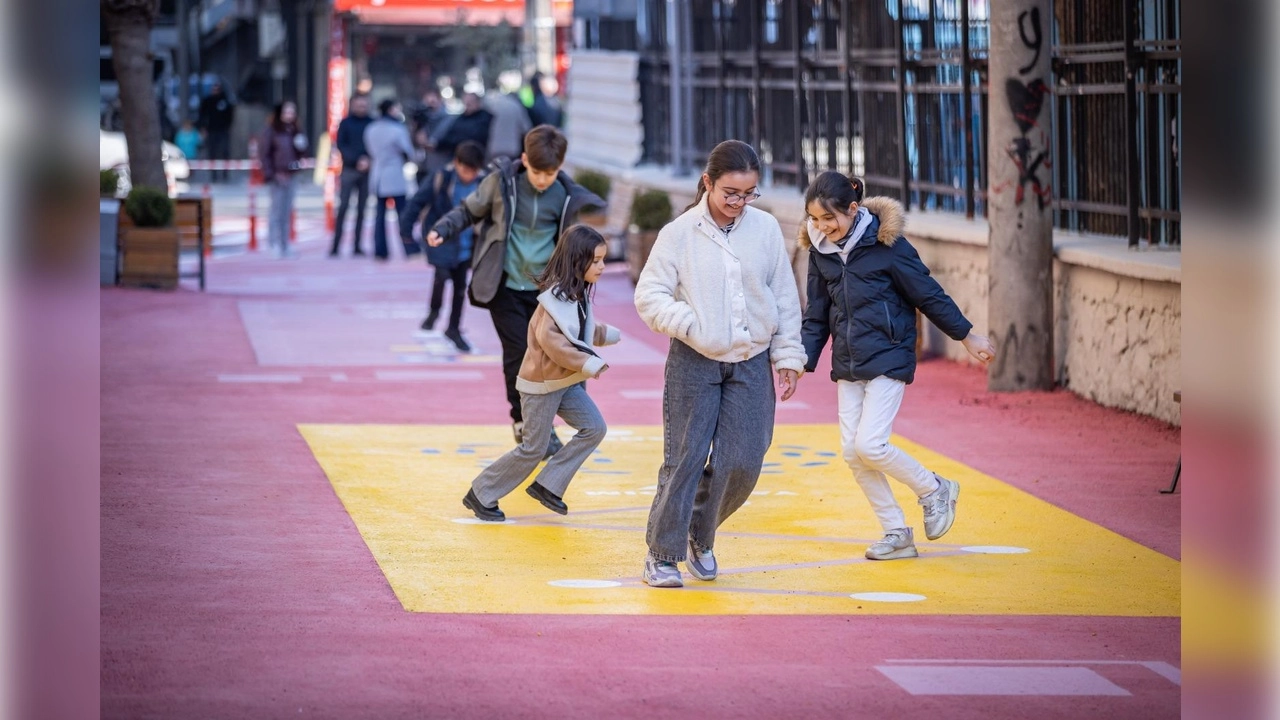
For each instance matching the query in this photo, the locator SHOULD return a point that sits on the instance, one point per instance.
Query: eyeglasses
(734, 198)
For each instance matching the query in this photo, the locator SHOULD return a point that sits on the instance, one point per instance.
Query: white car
(113, 153)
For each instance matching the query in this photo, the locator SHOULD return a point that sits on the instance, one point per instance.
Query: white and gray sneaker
(896, 544)
(701, 563)
(661, 574)
(940, 508)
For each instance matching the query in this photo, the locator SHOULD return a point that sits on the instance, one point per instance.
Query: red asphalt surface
(234, 584)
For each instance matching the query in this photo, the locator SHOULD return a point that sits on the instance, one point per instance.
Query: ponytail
(835, 192)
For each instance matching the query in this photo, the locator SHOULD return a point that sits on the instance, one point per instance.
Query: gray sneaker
(661, 574)
(940, 508)
(896, 544)
(701, 563)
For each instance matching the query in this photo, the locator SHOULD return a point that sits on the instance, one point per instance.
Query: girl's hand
(787, 382)
(597, 375)
(980, 348)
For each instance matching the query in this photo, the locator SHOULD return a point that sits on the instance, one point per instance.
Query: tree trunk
(1020, 195)
(129, 27)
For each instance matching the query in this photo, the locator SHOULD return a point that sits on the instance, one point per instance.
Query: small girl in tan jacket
(558, 361)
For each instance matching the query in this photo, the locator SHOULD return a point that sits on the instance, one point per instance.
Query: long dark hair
(835, 192)
(574, 253)
(729, 156)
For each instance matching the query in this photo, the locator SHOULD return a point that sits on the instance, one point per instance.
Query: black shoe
(411, 250)
(357, 253)
(430, 322)
(472, 503)
(554, 446)
(456, 336)
(549, 500)
(333, 253)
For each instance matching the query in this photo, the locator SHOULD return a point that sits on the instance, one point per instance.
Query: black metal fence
(896, 91)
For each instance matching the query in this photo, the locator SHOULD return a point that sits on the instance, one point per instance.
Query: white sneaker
(661, 574)
(896, 544)
(701, 563)
(940, 508)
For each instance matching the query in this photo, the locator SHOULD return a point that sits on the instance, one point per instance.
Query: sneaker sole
(896, 554)
(672, 583)
(955, 497)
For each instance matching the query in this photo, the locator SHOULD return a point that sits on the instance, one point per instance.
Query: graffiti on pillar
(1029, 152)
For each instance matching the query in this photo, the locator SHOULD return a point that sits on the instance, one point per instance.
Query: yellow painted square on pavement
(795, 548)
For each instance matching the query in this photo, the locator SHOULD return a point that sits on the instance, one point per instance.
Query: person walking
(441, 193)
(280, 153)
(387, 142)
(719, 285)
(355, 173)
(865, 284)
(552, 381)
(510, 123)
(217, 113)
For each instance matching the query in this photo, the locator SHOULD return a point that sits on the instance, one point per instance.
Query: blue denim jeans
(717, 423)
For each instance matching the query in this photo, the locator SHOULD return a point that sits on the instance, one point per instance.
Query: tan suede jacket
(556, 358)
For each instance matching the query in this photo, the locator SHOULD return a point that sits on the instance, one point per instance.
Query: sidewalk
(283, 458)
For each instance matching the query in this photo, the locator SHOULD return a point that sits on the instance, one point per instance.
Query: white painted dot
(585, 584)
(995, 549)
(478, 521)
(887, 597)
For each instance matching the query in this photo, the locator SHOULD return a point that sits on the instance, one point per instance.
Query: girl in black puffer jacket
(865, 284)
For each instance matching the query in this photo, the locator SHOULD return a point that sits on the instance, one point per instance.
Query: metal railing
(896, 91)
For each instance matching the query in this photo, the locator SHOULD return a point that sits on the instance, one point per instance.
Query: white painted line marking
(260, 378)
(995, 549)
(985, 680)
(892, 597)
(1164, 670)
(641, 394)
(338, 377)
(401, 375)
(793, 405)
(478, 521)
(585, 584)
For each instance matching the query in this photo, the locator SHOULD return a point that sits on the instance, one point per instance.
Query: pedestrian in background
(448, 187)
(217, 113)
(355, 172)
(389, 147)
(280, 154)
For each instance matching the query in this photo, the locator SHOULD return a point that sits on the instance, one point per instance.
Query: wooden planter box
(149, 257)
(639, 244)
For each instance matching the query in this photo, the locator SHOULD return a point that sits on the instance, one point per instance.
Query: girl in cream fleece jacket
(559, 359)
(719, 285)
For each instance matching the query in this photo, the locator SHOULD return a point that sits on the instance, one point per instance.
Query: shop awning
(447, 12)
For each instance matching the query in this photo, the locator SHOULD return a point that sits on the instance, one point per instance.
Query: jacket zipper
(893, 337)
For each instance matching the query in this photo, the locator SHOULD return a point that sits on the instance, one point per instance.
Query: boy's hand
(788, 380)
(980, 348)
(602, 369)
(434, 239)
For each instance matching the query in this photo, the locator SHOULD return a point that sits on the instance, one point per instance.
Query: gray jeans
(506, 473)
(717, 422)
(282, 190)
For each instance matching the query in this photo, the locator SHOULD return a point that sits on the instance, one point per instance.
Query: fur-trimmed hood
(893, 222)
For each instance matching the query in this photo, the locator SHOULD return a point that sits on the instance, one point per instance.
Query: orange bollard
(253, 221)
(293, 225)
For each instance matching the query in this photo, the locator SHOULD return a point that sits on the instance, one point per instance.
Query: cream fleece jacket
(556, 358)
(684, 289)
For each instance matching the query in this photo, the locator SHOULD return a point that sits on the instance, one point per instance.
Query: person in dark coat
(448, 187)
(473, 124)
(355, 172)
(865, 284)
(217, 112)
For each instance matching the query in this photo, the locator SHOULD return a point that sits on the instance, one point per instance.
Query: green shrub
(149, 207)
(109, 182)
(598, 183)
(651, 210)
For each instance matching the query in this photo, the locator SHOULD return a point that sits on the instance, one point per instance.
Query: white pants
(867, 409)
